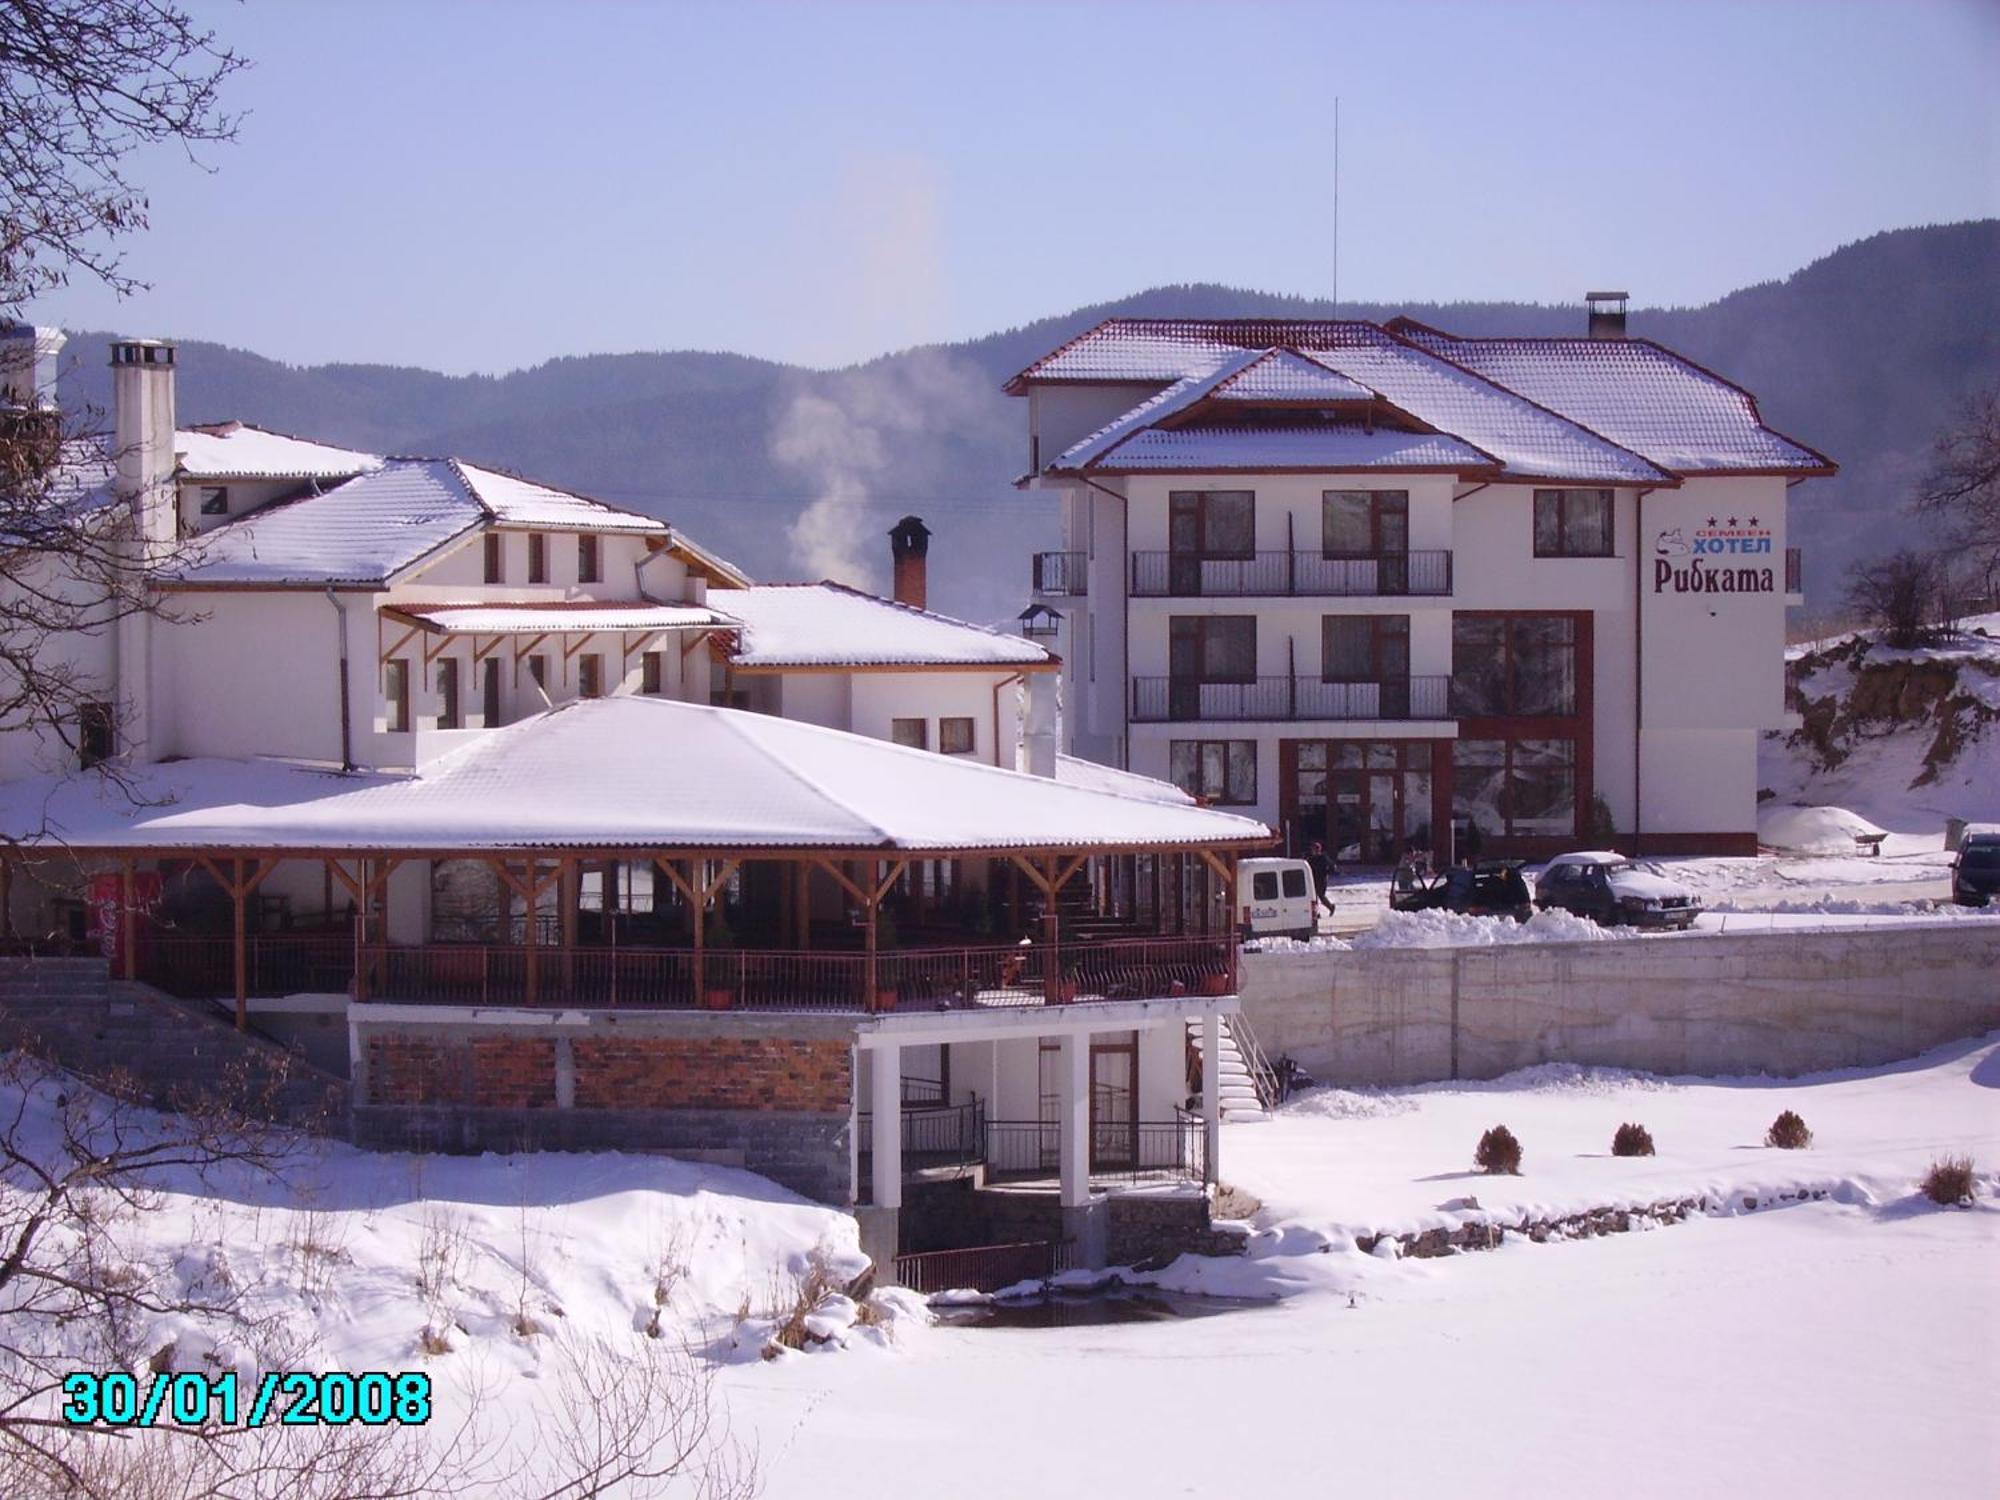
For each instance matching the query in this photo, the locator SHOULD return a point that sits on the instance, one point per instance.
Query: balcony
(1305, 575)
(1173, 700)
(1061, 575)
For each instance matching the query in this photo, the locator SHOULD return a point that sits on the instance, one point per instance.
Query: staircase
(169, 1051)
(1243, 1095)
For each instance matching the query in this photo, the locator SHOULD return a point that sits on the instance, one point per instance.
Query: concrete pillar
(885, 1103)
(1211, 1095)
(1073, 1139)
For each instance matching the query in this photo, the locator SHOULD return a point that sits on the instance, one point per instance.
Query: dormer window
(214, 500)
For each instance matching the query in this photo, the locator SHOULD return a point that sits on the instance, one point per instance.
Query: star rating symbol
(1753, 520)
(1732, 520)
(1711, 520)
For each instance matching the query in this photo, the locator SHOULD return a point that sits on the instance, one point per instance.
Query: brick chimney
(910, 545)
(1607, 314)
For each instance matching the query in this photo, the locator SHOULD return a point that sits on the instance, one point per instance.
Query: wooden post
(128, 936)
(568, 894)
(6, 897)
(698, 899)
(238, 891)
(870, 961)
(531, 894)
(1052, 991)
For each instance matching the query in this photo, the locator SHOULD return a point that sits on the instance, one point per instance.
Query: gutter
(1638, 660)
(1004, 682)
(346, 710)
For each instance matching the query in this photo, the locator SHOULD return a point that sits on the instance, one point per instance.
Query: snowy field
(1847, 1346)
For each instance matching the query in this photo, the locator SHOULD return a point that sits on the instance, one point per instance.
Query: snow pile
(1812, 830)
(1445, 929)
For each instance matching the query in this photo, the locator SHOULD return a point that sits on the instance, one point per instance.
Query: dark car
(1611, 889)
(1975, 869)
(1492, 888)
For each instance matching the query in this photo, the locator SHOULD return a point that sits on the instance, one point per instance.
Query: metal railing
(762, 979)
(933, 1136)
(203, 965)
(1795, 570)
(1120, 1150)
(1164, 700)
(983, 1268)
(1062, 575)
(1319, 575)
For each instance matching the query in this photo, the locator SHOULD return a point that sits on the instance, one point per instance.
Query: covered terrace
(635, 852)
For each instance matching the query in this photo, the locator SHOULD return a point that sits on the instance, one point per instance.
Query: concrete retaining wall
(1782, 1003)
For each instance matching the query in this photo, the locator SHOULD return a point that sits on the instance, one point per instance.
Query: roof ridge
(734, 721)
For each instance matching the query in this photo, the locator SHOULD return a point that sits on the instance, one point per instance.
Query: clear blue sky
(484, 186)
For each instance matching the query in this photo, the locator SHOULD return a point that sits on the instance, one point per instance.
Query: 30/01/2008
(295, 1398)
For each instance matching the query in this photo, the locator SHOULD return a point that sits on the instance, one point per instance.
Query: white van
(1276, 898)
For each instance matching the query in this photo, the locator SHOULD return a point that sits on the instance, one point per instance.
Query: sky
(481, 187)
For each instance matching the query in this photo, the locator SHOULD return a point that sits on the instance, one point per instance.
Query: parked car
(1609, 889)
(1492, 888)
(1975, 867)
(1277, 898)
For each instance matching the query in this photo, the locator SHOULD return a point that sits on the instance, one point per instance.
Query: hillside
(1860, 354)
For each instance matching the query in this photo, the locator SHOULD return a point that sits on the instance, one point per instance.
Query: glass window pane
(1347, 755)
(1213, 769)
(1312, 755)
(1589, 523)
(1417, 756)
(1230, 651)
(1346, 522)
(1347, 647)
(1184, 761)
(1242, 770)
(1381, 757)
(1230, 526)
(1548, 523)
(1478, 667)
(1295, 883)
(1544, 658)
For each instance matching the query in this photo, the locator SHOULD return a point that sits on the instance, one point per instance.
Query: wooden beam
(480, 653)
(238, 894)
(583, 638)
(389, 652)
(839, 875)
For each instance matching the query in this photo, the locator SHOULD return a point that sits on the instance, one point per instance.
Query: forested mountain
(800, 473)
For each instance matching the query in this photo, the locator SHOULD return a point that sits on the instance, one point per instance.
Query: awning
(568, 618)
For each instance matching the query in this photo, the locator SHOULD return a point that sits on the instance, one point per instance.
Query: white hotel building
(1381, 585)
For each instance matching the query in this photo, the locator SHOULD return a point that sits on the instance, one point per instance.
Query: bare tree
(1962, 485)
(83, 85)
(1899, 595)
(82, 1286)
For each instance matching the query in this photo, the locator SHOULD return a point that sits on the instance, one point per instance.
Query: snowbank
(1444, 929)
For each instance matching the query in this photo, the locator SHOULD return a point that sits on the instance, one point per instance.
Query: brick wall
(756, 1073)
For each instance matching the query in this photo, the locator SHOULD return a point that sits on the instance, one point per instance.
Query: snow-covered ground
(1845, 1346)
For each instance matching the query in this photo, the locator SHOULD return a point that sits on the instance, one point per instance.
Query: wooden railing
(925, 979)
(203, 965)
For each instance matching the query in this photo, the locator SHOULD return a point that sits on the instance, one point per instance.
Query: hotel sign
(1728, 555)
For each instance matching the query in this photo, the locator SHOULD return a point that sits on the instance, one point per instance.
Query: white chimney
(142, 426)
(28, 365)
(1042, 725)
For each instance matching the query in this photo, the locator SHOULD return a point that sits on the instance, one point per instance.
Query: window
(1212, 523)
(396, 694)
(590, 675)
(955, 736)
(1364, 523)
(1515, 786)
(1222, 771)
(650, 666)
(1513, 666)
(1364, 648)
(587, 560)
(911, 732)
(538, 558)
(96, 733)
(448, 705)
(214, 500)
(496, 557)
(1572, 523)
(489, 692)
(538, 673)
(1212, 648)
(1264, 885)
(1295, 883)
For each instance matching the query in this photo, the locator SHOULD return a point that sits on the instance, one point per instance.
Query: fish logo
(1671, 544)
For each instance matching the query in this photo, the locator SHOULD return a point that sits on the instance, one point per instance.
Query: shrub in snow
(1632, 1140)
(1788, 1133)
(1498, 1152)
(1949, 1182)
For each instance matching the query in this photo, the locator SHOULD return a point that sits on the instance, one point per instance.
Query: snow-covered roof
(370, 528)
(609, 773)
(1092, 777)
(236, 450)
(831, 625)
(1323, 447)
(579, 616)
(1356, 361)
(1638, 394)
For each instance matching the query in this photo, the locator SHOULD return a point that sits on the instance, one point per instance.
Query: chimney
(28, 366)
(1607, 314)
(909, 545)
(142, 404)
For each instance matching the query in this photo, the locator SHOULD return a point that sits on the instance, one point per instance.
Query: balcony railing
(1061, 575)
(1795, 570)
(1172, 700)
(1316, 575)
(1118, 1148)
(927, 979)
(203, 965)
